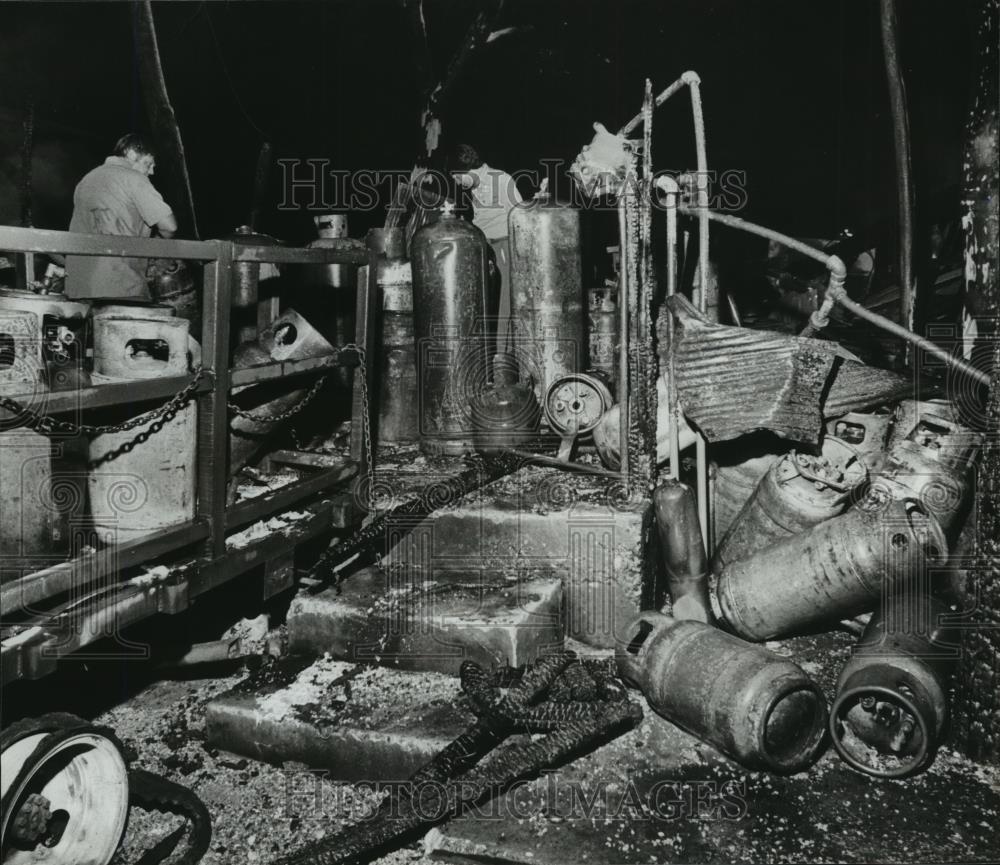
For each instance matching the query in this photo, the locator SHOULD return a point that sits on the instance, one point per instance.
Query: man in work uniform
(117, 198)
(494, 195)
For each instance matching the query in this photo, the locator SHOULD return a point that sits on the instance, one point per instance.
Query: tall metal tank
(138, 487)
(455, 322)
(547, 301)
(398, 419)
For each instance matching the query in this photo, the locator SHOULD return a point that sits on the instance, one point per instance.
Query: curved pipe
(835, 289)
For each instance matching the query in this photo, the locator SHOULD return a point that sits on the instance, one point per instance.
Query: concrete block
(359, 723)
(541, 523)
(374, 618)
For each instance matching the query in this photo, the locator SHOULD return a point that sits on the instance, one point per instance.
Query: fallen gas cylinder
(931, 458)
(758, 708)
(833, 571)
(797, 492)
(892, 704)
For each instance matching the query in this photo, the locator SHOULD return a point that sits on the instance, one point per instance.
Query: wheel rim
(84, 778)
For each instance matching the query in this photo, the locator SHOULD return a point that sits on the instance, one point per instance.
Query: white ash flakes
(322, 680)
(262, 528)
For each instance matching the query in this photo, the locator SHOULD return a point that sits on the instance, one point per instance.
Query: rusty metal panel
(734, 380)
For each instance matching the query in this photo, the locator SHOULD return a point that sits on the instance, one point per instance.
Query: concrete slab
(359, 723)
(375, 618)
(543, 522)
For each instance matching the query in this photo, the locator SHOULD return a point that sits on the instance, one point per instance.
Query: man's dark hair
(465, 157)
(133, 141)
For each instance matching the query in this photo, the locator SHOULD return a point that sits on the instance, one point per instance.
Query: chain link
(49, 425)
(365, 421)
(263, 417)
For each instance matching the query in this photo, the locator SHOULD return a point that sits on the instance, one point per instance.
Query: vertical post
(624, 299)
(213, 417)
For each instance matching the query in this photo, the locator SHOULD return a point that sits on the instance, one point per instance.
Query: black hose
(572, 727)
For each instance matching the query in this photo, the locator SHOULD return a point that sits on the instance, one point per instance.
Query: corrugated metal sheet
(733, 380)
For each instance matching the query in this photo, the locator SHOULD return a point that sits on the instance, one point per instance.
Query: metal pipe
(660, 99)
(672, 191)
(838, 272)
(623, 305)
(901, 145)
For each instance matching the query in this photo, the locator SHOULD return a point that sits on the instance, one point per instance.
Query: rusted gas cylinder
(865, 431)
(932, 458)
(833, 571)
(602, 318)
(398, 419)
(332, 231)
(754, 706)
(683, 550)
(546, 282)
(290, 337)
(139, 487)
(892, 701)
(733, 487)
(247, 275)
(797, 492)
(455, 315)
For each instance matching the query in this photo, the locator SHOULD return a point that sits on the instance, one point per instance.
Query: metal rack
(58, 610)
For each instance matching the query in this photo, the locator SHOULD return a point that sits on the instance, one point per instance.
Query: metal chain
(263, 417)
(365, 420)
(48, 425)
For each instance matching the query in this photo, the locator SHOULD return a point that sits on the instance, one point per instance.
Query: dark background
(794, 95)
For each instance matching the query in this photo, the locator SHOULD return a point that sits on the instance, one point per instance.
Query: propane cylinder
(290, 337)
(932, 458)
(546, 291)
(505, 415)
(455, 319)
(797, 492)
(137, 488)
(892, 704)
(602, 316)
(833, 571)
(247, 275)
(758, 708)
(866, 432)
(683, 550)
(332, 231)
(398, 419)
(733, 487)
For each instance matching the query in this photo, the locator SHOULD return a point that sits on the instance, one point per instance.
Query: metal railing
(32, 596)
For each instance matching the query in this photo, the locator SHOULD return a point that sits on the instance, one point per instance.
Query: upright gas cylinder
(332, 231)
(398, 420)
(683, 550)
(760, 709)
(602, 318)
(138, 487)
(833, 571)
(455, 318)
(797, 492)
(547, 291)
(249, 274)
(892, 701)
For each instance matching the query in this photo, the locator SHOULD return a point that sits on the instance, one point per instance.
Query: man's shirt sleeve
(150, 204)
